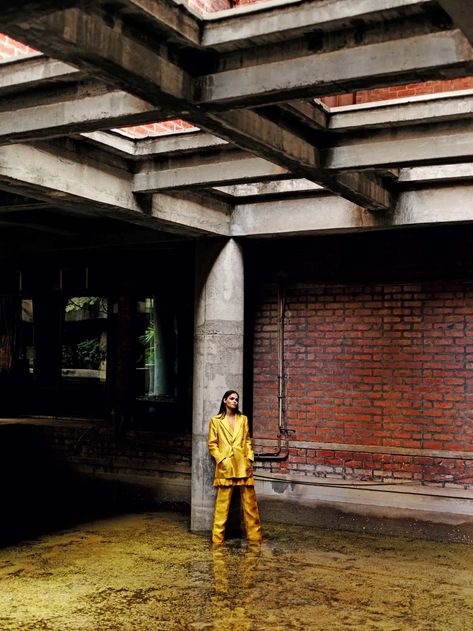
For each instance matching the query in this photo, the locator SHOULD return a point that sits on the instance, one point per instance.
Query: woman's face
(231, 401)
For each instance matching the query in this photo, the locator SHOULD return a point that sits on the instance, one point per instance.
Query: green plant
(84, 302)
(87, 354)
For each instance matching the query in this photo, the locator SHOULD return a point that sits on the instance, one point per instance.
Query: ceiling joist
(141, 61)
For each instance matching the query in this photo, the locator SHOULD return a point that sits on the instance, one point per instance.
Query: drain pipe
(282, 451)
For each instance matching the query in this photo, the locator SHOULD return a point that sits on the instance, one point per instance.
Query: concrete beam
(41, 173)
(116, 58)
(393, 62)
(92, 43)
(14, 10)
(281, 150)
(251, 131)
(192, 213)
(72, 183)
(114, 142)
(312, 114)
(81, 109)
(220, 170)
(332, 214)
(178, 22)
(432, 108)
(297, 216)
(419, 146)
(261, 189)
(175, 144)
(255, 24)
(440, 174)
(192, 141)
(461, 14)
(32, 72)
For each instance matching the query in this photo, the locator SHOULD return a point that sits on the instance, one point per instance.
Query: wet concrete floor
(147, 572)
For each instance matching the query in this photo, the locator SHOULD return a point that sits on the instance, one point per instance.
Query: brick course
(10, 48)
(371, 365)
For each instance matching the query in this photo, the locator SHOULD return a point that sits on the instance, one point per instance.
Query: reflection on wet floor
(147, 572)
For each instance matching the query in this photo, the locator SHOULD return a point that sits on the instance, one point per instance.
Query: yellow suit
(231, 449)
(234, 457)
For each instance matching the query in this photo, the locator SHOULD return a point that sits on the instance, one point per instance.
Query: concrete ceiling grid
(269, 159)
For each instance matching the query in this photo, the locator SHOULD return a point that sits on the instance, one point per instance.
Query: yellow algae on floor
(148, 572)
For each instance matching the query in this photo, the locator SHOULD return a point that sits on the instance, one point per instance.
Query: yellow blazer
(232, 450)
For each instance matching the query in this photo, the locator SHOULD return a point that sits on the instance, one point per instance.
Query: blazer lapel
(228, 430)
(238, 427)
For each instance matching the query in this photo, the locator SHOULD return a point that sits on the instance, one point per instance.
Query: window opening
(84, 349)
(27, 352)
(156, 366)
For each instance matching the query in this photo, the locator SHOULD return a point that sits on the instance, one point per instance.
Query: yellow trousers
(250, 513)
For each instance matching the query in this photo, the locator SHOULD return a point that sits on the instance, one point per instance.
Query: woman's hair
(223, 409)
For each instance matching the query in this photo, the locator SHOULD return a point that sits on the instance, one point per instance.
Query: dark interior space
(42, 493)
(408, 254)
(99, 335)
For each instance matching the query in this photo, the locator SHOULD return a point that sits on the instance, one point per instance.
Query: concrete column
(218, 358)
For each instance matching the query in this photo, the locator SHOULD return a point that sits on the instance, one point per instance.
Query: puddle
(148, 572)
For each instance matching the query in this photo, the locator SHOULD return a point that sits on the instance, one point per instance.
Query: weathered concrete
(220, 171)
(276, 21)
(43, 174)
(414, 110)
(218, 358)
(34, 71)
(195, 214)
(427, 504)
(115, 142)
(90, 42)
(385, 63)
(85, 186)
(259, 189)
(437, 174)
(267, 139)
(189, 141)
(304, 216)
(67, 35)
(461, 15)
(428, 144)
(86, 108)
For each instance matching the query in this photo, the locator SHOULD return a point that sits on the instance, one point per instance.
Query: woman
(230, 445)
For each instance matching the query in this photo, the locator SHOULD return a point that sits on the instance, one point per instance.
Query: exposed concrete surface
(308, 216)
(147, 572)
(218, 358)
(429, 503)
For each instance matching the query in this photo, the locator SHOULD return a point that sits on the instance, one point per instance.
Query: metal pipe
(282, 451)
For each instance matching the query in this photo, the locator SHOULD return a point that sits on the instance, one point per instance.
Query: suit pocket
(226, 467)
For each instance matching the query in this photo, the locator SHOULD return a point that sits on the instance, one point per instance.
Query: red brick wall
(10, 48)
(399, 91)
(203, 6)
(386, 368)
(414, 89)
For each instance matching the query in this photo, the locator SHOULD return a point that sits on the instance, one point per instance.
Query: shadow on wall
(41, 494)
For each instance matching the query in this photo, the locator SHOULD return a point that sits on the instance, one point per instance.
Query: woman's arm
(213, 441)
(248, 443)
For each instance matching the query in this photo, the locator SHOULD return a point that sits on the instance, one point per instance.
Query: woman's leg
(222, 506)
(250, 513)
